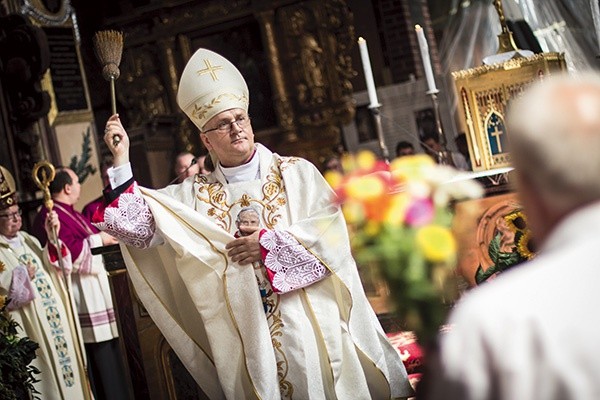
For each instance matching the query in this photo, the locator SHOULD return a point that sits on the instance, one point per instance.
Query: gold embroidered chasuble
(323, 341)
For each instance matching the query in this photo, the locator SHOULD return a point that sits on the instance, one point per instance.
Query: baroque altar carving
(301, 50)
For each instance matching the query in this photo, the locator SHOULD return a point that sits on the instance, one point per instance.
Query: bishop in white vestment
(290, 322)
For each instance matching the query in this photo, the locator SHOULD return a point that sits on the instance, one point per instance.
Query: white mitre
(209, 85)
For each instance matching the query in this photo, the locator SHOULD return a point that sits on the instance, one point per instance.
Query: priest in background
(318, 337)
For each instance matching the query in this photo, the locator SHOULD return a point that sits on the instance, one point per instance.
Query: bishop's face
(10, 221)
(229, 134)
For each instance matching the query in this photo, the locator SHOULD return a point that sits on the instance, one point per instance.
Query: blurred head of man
(201, 160)
(185, 166)
(431, 145)
(554, 141)
(333, 163)
(404, 148)
(65, 187)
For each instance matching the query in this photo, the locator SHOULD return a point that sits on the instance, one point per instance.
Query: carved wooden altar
(294, 55)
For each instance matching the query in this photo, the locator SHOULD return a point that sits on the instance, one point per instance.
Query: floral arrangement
(400, 219)
(16, 373)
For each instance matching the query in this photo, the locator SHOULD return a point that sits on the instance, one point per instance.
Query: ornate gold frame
(484, 94)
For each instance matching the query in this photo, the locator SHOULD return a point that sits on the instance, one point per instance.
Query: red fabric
(263, 255)
(410, 351)
(98, 215)
(53, 254)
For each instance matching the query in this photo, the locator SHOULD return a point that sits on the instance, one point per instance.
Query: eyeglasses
(12, 215)
(226, 127)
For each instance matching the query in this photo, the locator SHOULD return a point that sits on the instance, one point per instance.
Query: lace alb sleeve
(128, 218)
(289, 265)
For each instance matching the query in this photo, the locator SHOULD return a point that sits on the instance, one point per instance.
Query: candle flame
(417, 27)
(360, 39)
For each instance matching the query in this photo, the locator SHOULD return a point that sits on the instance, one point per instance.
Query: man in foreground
(533, 332)
(315, 335)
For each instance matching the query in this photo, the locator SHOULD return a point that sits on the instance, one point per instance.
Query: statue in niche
(144, 90)
(311, 89)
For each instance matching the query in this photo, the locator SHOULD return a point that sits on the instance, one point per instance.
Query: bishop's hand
(246, 249)
(52, 224)
(120, 147)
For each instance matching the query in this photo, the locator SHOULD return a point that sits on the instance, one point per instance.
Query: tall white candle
(426, 61)
(366, 62)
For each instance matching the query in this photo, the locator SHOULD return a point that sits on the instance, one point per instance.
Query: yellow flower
(411, 167)
(436, 242)
(366, 160)
(372, 228)
(348, 162)
(334, 178)
(353, 211)
(524, 246)
(397, 209)
(365, 188)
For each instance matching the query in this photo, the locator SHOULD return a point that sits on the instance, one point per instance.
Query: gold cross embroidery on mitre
(210, 69)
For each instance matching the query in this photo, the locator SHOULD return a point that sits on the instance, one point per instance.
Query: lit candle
(366, 62)
(426, 61)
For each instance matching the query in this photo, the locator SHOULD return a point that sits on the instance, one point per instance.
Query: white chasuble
(319, 342)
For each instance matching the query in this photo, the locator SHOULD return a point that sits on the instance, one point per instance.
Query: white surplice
(321, 341)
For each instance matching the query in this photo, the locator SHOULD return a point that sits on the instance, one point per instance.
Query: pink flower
(420, 212)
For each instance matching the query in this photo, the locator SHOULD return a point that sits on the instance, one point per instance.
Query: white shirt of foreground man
(280, 313)
(533, 332)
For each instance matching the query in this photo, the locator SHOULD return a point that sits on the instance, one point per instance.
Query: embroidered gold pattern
(273, 191)
(285, 162)
(2, 266)
(276, 329)
(273, 198)
(217, 199)
(199, 112)
(210, 69)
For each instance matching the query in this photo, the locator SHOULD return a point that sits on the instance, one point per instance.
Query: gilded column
(167, 47)
(285, 113)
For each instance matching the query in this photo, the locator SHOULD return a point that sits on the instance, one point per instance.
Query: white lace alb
(293, 265)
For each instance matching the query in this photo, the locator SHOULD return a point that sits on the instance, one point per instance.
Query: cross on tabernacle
(210, 69)
(496, 133)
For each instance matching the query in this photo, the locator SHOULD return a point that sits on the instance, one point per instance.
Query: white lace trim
(131, 221)
(293, 265)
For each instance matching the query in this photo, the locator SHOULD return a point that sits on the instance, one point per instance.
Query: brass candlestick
(505, 38)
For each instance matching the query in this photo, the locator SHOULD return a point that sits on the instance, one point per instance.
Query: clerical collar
(242, 173)
(14, 242)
